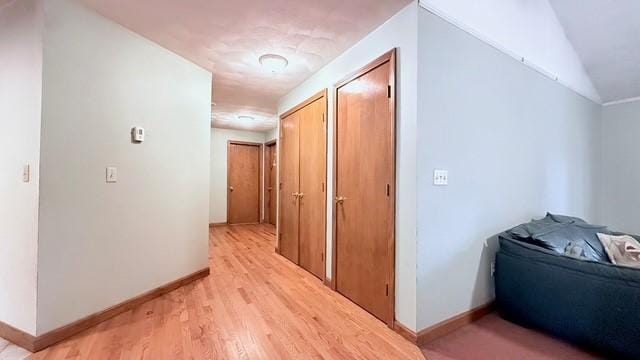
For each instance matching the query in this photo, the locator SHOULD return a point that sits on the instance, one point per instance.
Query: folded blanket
(622, 250)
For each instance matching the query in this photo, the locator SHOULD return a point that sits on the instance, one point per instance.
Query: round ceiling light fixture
(246, 118)
(274, 63)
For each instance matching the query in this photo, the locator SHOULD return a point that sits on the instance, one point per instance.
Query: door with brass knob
(303, 175)
(288, 225)
(243, 182)
(364, 244)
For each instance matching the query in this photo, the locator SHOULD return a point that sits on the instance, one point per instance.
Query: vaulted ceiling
(227, 37)
(606, 36)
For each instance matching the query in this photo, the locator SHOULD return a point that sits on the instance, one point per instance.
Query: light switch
(112, 174)
(26, 173)
(440, 177)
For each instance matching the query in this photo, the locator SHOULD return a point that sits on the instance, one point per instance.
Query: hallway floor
(254, 305)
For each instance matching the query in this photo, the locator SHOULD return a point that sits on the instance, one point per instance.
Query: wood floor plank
(255, 304)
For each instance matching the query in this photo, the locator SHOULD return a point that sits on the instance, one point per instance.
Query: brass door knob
(340, 199)
(230, 188)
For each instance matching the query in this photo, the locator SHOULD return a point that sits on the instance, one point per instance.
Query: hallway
(254, 305)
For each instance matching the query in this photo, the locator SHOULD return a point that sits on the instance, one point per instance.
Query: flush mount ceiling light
(246, 118)
(274, 63)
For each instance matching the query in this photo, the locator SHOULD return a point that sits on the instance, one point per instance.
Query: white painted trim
(468, 29)
(622, 101)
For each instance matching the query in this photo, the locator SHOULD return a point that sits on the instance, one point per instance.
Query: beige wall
(101, 243)
(20, 104)
(516, 143)
(271, 135)
(619, 204)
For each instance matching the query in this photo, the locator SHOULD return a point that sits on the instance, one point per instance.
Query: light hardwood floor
(254, 305)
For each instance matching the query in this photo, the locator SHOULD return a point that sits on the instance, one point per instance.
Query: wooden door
(364, 188)
(288, 244)
(271, 180)
(266, 181)
(243, 183)
(313, 165)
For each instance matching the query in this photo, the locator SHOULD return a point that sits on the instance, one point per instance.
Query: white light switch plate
(440, 177)
(112, 174)
(26, 173)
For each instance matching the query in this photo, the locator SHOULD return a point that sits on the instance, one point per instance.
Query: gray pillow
(525, 230)
(548, 223)
(566, 235)
(565, 219)
(575, 235)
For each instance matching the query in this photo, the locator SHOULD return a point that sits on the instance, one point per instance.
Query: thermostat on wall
(137, 134)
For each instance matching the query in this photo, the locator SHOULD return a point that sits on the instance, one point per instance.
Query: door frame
(260, 147)
(317, 96)
(274, 143)
(389, 57)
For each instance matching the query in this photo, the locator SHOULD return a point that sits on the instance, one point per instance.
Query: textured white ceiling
(606, 35)
(227, 37)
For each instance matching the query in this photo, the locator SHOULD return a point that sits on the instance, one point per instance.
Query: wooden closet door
(290, 185)
(243, 188)
(313, 164)
(273, 166)
(364, 189)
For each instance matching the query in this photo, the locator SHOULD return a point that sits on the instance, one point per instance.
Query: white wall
(516, 145)
(100, 243)
(400, 31)
(218, 182)
(619, 203)
(21, 24)
(271, 135)
(524, 28)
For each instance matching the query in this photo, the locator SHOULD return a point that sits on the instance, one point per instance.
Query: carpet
(493, 338)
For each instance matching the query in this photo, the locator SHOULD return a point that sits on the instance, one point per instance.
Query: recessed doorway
(270, 182)
(243, 182)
